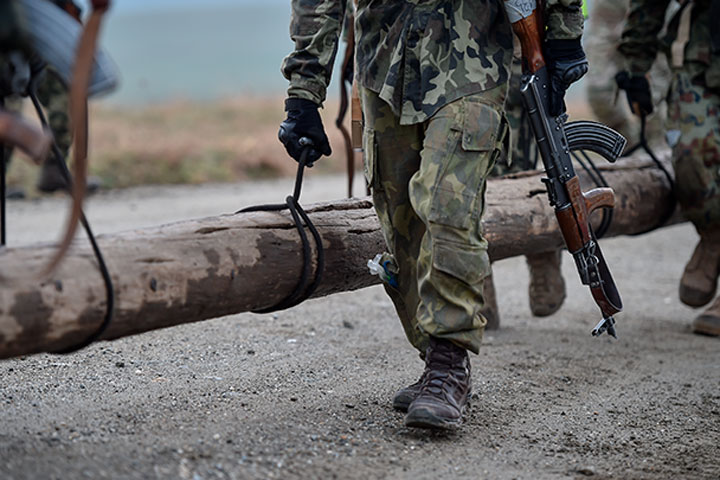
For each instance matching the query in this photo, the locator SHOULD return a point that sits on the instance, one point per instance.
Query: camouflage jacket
(642, 38)
(418, 55)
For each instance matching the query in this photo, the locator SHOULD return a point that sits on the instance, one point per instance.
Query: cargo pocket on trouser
(456, 254)
(455, 197)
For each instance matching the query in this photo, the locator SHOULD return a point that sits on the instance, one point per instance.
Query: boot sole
(546, 310)
(706, 325)
(403, 406)
(695, 298)
(426, 420)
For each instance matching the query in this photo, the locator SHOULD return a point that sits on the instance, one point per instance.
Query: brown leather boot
(708, 322)
(51, 178)
(547, 286)
(699, 281)
(445, 388)
(490, 310)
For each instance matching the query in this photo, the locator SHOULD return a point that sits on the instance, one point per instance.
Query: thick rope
(305, 287)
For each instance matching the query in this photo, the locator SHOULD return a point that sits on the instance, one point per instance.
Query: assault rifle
(555, 140)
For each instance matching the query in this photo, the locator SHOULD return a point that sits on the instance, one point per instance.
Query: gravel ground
(305, 393)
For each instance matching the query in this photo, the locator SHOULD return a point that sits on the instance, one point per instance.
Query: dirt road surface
(305, 393)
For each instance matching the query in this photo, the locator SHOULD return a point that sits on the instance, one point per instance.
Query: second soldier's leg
(54, 96)
(693, 112)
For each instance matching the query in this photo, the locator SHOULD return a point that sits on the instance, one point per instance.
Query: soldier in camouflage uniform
(694, 127)
(433, 77)
(54, 96)
(605, 25)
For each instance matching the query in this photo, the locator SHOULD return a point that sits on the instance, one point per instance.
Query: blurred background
(201, 96)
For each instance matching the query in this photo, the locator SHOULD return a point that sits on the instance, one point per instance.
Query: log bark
(211, 267)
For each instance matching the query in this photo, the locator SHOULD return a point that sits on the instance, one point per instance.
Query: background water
(170, 49)
(198, 53)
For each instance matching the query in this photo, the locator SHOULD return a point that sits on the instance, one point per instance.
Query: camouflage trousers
(428, 183)
(694, 134)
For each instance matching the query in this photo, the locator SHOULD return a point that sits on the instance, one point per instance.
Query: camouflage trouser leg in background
(428, 185)
(522, 140)
(55, 97)
(694, 124)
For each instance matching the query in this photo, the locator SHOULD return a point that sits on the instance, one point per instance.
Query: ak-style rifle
(555, 140)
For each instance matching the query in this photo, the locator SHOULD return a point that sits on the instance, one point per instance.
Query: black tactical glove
(566, 64)
(637, 90)
(303, 121)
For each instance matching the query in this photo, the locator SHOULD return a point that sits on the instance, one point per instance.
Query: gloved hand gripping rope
(305, 287)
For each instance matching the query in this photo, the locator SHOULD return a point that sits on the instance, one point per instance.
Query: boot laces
(445, 371)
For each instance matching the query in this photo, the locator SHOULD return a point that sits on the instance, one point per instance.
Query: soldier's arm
(639, 42)
(564, 19)
(315, 29)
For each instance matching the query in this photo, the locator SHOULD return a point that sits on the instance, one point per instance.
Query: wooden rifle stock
(528, 31)
(575, 220)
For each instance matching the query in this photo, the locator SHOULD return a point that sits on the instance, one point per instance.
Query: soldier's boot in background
(490, 310)
(708, 322)
(547, 286)
(699, 281)
(445, 389)
(51, 178)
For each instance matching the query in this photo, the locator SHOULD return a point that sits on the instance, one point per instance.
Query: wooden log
(211, 267)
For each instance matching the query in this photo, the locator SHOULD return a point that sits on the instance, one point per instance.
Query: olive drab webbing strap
(82, 72)
(346, 78)
(677, 48)
(356, 115)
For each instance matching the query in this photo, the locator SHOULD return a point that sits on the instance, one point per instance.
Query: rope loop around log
(305, 287)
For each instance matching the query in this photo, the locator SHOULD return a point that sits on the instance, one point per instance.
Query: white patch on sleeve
(519, 9)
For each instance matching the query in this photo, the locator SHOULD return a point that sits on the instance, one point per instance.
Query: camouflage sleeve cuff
(307, 89)
(567, 25)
